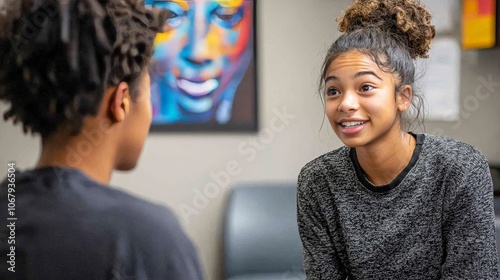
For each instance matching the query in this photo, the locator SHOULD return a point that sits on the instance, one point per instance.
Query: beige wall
(292, 38)
(479, 104)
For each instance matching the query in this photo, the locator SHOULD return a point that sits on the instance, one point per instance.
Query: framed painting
(203, 69)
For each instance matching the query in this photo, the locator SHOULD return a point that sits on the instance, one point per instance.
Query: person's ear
(403, 99)
(120, 102)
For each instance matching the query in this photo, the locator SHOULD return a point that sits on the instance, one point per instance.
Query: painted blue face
(200, 59)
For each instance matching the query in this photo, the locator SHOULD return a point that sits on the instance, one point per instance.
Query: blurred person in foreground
(75, 72)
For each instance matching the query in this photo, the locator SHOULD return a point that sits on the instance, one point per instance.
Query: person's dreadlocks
(59, 56)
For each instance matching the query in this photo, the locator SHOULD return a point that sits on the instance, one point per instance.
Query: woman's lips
(197, 89)
(352, 127)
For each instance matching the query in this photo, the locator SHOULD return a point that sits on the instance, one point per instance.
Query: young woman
(391, 204)
(76, 73)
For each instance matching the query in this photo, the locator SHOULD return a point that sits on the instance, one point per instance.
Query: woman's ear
(120, 102)
(403, 98)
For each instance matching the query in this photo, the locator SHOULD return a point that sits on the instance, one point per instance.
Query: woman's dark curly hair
(393, 33)
(59, 56)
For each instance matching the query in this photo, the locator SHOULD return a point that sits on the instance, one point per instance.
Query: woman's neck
(383, 161)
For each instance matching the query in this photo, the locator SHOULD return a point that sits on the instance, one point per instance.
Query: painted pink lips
(197, 89)
(352, 127)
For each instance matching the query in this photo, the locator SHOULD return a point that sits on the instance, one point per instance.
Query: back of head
(59, 56)
(392, 32)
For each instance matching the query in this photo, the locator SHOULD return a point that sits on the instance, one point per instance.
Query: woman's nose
(348, 102)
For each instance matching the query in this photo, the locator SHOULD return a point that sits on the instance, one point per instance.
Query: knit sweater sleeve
(320, 258)
(468, 224)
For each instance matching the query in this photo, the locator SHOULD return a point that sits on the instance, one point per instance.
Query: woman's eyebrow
(331, 78)
(359, 74)
(363, 73)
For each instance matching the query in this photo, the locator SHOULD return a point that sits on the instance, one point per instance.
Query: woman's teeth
(351, 124)
(197, 89)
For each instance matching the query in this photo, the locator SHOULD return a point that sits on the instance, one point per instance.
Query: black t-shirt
(66, 226)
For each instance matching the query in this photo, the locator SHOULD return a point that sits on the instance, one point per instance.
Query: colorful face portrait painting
(202, 71)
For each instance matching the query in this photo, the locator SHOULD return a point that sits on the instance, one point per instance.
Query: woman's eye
(332, 92)
(366, 88)
(228, 17)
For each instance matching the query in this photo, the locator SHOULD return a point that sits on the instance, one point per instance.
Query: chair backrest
(260, 230)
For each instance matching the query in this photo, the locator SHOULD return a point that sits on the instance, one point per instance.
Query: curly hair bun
(407, 20)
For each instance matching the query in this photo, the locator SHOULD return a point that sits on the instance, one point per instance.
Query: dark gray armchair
(261, 240)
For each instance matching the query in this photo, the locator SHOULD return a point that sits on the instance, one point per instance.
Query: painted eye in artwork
(228, 17)
(176, 15)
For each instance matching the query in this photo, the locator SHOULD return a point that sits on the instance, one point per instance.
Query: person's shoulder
(143, 229)
(450, 156)
(106, 205)
(157, 232)
(152, 227)
(451, 151)
(139, 213)
(326, 163)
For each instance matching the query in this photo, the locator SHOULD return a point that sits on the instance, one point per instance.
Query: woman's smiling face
(360, 100)
(201, 51)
